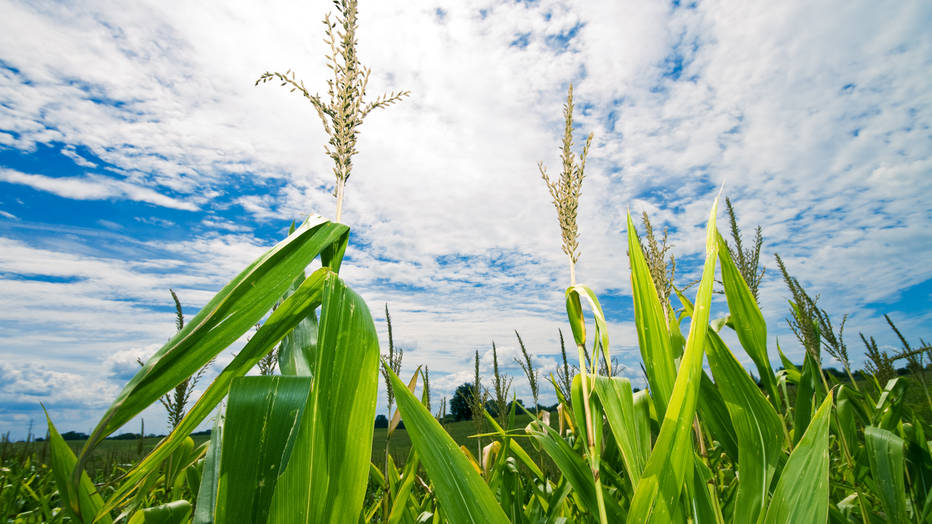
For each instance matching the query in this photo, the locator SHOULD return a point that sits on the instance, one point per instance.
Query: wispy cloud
(93, 187)
(816, 116)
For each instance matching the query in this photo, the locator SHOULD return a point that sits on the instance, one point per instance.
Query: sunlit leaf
(671, 460)
(464, 497)
(801, 494)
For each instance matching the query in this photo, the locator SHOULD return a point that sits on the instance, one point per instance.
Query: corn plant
(309, 456)
(700, 444)
(533, 375)
(696, 446)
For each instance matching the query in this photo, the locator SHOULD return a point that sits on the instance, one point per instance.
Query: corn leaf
(230, 313)
(575, 295)
(630, 425)
(462, 494)
(175, 512)
(325, 479)
(292, 311)
(262, 420)
(715, 418)
(396, 417)
(889, 408)
(210, 476)
(801, 494)
(671, 460)
(746, 318)
(757, 425)
(885, 451)
(703, 505)
(571, 464)
(296, 353)
(515, 447)
(400, 498)
(82, 502)
(651, 324)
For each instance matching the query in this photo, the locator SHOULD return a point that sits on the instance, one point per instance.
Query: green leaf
(746, 318)
(83, 502)
(651, 324)
(845, 410)
(805, 396)
(296, 353)
(210, 476)
(262, 421)
(788, 365)
(889, 408)
(630, 424)
(801, 494)
(233, 311)
(757, 426)
(715, 418)
(515, 447)
(672, 457)
(401, 496)
(175, 512)
(885, 451)
(294, 309)
(575, 295)
(571, 464)
(326, 477)
(463, 495)
(396, 417)
(703, 505)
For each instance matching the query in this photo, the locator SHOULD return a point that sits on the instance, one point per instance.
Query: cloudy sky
(136, 155)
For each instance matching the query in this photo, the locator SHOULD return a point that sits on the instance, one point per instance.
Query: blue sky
(136, 155)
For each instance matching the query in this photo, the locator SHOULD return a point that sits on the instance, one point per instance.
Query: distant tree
(74, 435)
(381, 421)
(460, 404)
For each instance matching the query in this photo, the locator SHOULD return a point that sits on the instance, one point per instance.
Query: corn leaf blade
(757, 425)
(82, 502)
(175, 512)
(292, 311)
(651, 324)
(885, 451)
(230, 313)
(325, 479)
(746, 318)
(715, 418)
(210, 476)
(671, 459)
(263, 416)
(801, 494)
(463, 496)
(296, 353)
(629, 425)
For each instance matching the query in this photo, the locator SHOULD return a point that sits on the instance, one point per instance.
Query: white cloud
(93, 187)
(814, 116)
(78, 159)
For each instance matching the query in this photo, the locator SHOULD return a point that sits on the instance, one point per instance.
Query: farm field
(712, 280)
